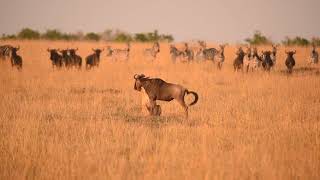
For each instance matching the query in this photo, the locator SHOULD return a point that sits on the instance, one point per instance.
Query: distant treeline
(107, 35)
(259, 39)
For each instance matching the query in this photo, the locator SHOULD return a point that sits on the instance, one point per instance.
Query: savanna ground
(88, 124)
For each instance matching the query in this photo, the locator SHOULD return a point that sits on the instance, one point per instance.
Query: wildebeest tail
(196, 97)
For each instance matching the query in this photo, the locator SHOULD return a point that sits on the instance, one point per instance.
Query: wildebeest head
(64, 52)
(97, 51)
(266, 54)
(291, 53)
(138, 82)
(15, 49)
(73, 51)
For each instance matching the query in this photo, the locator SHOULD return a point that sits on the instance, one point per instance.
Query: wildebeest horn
(76, 49)
(136, 76)
(295, 51)
(93, 49)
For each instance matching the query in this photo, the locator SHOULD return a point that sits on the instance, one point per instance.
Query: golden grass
(88, 124)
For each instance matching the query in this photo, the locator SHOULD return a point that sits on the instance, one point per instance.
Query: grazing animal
(5, 51)
(314, 55)
(188, 52)
(238, 61)
(175, 53)
(158, 89)
(221, 57)
(256, 60)
(93, 59)
(66, 58)
(147, 106)
(267, 62)
(119, 53)
(290, 61)
(274, 54)
(152, 52)
(75, 59)
(207, 53)
(247, 59)
(16, 60)
(55, 57)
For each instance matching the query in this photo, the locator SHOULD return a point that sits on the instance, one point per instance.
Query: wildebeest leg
(183, 104)
(151, 106)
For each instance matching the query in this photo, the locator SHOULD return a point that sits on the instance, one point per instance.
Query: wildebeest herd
(248, 60)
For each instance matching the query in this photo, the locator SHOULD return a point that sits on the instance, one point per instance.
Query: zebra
(16, 60)
(75, 59)
(5, 51)
(93, 59)
(314, 55)
(152, 52)
(55, 57)
(188, 52)
(221, 57)
(256, 60)
(176, 53)
(119, 53)
(207, 53)
(247, 59)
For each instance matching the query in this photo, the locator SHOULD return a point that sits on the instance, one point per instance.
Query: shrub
(27, 33)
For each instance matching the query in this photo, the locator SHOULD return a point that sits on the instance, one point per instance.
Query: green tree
(123, 37)
(52, 34)
(92, 36)
(141, 37)
(297, 41)
(258, 39)
(27, 33)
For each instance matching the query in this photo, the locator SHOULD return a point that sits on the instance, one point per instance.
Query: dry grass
(88, 124)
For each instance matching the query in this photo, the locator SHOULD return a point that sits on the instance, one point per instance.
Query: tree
(141, 37)
(27, 33)
(92, 36)
(52, 34)
(258, 39)
(123, 37)
(297, 41)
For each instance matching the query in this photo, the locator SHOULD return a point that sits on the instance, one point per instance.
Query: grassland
(88, 124)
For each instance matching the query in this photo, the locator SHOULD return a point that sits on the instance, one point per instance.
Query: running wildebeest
(221, 57)
(66, 58)
(152, 52)
(16, 60)
(267, 62)
(5, 51)
(93, 59)
(158, 89)
(55, 57)
(175, 53)
(290, 61)
(75, 59)
(314, 55)
(238, 61)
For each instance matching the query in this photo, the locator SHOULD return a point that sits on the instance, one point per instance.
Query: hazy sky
(213, 20)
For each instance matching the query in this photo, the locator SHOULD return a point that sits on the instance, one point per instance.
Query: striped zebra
(152, 52)
(5, 51)
(188, 52)
(176, 53)
(221, 57)
(117, 54)
(206, 53)
(256, 60)
(247, 59)
(314, 55)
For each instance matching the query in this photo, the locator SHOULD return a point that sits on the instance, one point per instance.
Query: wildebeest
(66, 58)
(220, 56)
(55, 57)
(314, 55)
(16, 60)
(93, 59)
(158, 89)
(267, 62)
(290, 61)
(152, 52)
(238, 61)
(5, 51)
(274, 54)
(175, 53)
(75, 59)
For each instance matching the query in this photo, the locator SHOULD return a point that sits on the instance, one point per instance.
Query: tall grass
(88, 124)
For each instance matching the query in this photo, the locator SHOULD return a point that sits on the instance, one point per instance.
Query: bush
(123, 37)
(27, 33)
(315, 41)
(297, 41)
(258, 39)
(52, 34)
(92, 36)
